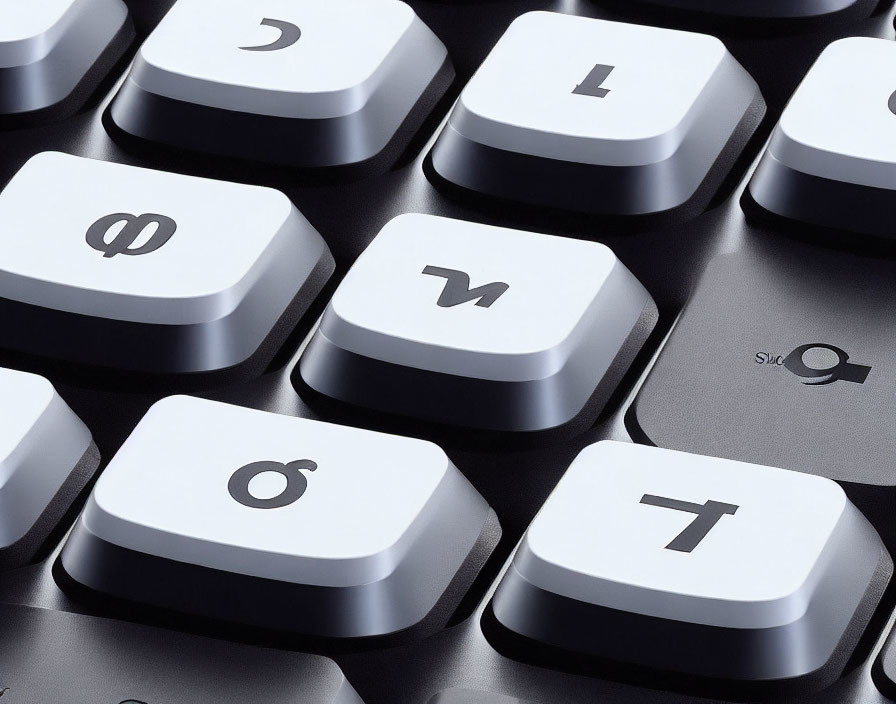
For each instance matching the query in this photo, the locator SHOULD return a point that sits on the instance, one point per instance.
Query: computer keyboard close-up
(432, 352)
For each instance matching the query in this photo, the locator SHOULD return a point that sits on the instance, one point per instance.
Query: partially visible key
(762, 8)
(281, 522)
(479, 326)
(51, 657)
(47, 456)
(625, 120)
(831, 160)
(50, 48)
(699, 565)
(148, 271)
(884, 668)
(297, 82)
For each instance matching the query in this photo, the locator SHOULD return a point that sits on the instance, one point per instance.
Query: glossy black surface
(515, 474)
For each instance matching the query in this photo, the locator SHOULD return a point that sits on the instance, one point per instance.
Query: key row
(49, 51)
(154, 272)
(627, 120)
(664, 559)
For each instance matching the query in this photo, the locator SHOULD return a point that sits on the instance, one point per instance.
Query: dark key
(782, 365)
(53, 657)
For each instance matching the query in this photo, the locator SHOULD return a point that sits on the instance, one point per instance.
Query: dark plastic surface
(48, 657)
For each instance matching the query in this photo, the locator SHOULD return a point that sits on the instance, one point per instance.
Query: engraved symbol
(289, 35)
(457, 288)
(708, 515)
(592, 83)
(819, 364)
(892, 103)
(4, 691)
(134, 226)
(296, 483)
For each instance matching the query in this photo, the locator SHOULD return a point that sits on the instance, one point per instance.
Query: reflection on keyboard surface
(447, 352)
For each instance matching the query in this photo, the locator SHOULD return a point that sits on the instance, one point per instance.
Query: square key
(49, 48)
(435, 319)
(761, 571)
(831, 160)
(605, 120)
(302, 82)
(148, 270)
(207, 57)
(313, 527)
(527, 90)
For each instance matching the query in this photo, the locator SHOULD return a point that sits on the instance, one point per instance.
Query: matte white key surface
(41, 441)
(30, 30)
(658, 87)
(601, 538)
(286, 58)
(229, 241)
(411, 299)
(50, 47)
(369, 499)
(839, 124)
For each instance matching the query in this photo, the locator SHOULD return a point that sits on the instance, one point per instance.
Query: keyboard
(432, 352)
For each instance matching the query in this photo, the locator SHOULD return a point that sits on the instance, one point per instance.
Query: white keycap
(630, 100)
(379, 522)
(361, 64)
(201, 268)
(762, 8)
(838, 124)
(28, 32)
(47, 47)
(832, 157)
(508, 329)
(42, 442)
(767, 568)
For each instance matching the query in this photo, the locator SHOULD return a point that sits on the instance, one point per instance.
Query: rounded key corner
(536, 16)
(49, 76)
